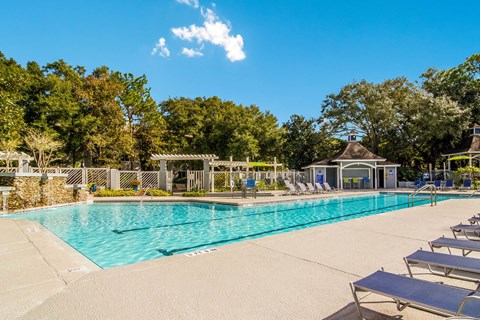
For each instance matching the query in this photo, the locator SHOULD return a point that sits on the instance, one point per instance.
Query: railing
(433, 195)
(473, 193)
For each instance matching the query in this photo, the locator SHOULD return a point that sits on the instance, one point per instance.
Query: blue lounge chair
(448, 262)
(466, 246)
(448, 184)
(467, 230)
(474, 220)
(429, 296)
(467, 185)
(438, 184)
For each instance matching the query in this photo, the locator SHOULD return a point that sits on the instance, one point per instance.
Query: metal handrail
(473, 193)
(433, 194)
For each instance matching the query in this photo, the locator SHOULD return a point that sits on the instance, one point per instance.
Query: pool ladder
(473, 193)
(433, 195)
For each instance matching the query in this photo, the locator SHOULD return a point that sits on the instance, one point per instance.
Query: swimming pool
(116, 234)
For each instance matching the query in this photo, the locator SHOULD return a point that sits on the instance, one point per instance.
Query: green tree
(12, 84)
(461, 84)
(301, 142)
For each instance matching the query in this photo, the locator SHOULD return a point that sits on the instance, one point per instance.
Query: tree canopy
(109, 118)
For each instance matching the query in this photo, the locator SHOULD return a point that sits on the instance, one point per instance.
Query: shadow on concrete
(349, 312)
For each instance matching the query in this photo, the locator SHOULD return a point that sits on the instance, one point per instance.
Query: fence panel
(46, 170)
(98, 176)
(150, 179)
(194, 180)
(11, 169)
(75, 175)
(126, 177)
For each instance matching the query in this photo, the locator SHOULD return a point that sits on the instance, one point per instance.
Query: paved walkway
(297, 275)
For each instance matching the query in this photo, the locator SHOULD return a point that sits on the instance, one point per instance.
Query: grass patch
(194, 194)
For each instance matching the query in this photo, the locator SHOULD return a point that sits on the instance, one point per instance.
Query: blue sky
(283, 56)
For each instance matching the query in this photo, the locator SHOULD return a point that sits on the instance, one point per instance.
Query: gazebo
(468, 149)
(354, 167)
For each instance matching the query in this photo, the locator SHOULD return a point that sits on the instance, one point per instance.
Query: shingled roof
(353, 151)
(470, 145)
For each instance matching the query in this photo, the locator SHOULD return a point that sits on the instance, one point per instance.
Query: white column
(340, 185)
(163, 174)
(275, 172)
(376, 176)
(206, 174)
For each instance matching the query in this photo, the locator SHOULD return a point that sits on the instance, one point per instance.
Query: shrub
(194, 194)
(158, 193)
(115, 193)
(134, 183)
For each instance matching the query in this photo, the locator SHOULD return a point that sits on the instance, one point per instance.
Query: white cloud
(161, 48)
(190, 3)
(216, 32)
(191, 53)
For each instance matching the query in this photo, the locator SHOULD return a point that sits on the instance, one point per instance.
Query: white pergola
(163, 158)
(22, 159)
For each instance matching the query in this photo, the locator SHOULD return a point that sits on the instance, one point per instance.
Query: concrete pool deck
(303, 274)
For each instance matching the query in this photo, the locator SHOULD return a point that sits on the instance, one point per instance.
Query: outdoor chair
(355, 183)
(429, 296)
(448, 184)
(347, 183)
(449, 263)
(437, 184)
(417, 184)
(467, 230)
(366, 182)
(467, 185)
(474, 220)
(291, 189)
(302, 187)
(327, 187)
(319, 187)
(466, 246)
(311, 188)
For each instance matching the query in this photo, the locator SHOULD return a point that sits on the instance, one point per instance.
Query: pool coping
(294, 256)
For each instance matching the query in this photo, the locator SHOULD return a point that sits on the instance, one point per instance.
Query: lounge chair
(291, 189)
(474, 220)
(302, 187)
(448, 262)
(437, 184)
(467, 185)
(466, 246)
(311, 188)
(466, 230)
(319, 187)
(429, 296)
(448, 184)
(327, 187)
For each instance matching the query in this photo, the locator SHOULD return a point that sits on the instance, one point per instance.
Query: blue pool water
(122, 233)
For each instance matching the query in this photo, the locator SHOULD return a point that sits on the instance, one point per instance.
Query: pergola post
(206, 174)
(376, 176)
(341, 176)
(275, 172)
(163, 174)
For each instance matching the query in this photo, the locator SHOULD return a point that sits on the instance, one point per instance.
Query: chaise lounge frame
(406, 291)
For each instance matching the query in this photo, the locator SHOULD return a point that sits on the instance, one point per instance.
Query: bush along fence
(114, 179)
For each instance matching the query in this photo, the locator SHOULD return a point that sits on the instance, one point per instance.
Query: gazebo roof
(356, 151)
(183, 157)
(469, 145)
(353, 151)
